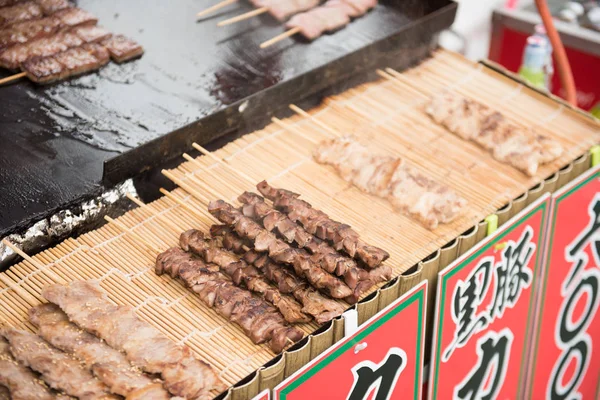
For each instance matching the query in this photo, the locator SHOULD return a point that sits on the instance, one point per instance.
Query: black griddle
(64, 143)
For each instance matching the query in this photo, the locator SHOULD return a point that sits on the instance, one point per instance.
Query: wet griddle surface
(54, 140)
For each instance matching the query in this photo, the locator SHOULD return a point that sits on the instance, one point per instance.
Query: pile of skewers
(89, 348)
(51, 40)
(308, 18)
(274, 261)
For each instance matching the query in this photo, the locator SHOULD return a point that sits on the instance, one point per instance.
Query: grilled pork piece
(122, 49)
(19, 12)
(107, 364)
(316, 222)
(58, 369)
(73, 16)
(323, 255)
(12, 57)
(321, 308)
(22, 383)
(405, 187)
(278, 250)
(91, 33)
(242, 274)
(258, 319)
(26, 31)
(52, 6)
(283, 9)
(145, 347)
(507, 142)
(4, 393)
(44, 70)
(332, 15)
(70, 63)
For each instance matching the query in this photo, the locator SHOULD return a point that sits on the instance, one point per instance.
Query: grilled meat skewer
(315, 304)
(107, 364)
(260, 321)
(278, 250)
(316, 222)
(19, 12)
(21, 382)
(323, 255)
(242, 273)
(57, 368)
(145, 347)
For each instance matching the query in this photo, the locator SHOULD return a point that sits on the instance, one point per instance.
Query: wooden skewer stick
(222, 161)
(182, 203)
(134, 234)
(279, 38)
(33, 261)
(202, 167)
(300, 111)
(293, 128)
(216, 7)
(186, 187)
(244, 16)
(13, 78)
(160, 216)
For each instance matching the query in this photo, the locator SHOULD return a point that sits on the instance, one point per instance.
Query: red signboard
(484, 310)
(566, 355)
(383, 359)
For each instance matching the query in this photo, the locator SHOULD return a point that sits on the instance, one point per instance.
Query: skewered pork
(107, 364)
(259, 320)
(283, 9)
(507, 142)
(19, 12)
(242, 273)
(323, 255)
(73, 16)
(52, 6)
(122, 49)
(58, 369)
(12, 57)
(91, 33)
(278, 250)
(404, 186)
(321, 308)
(73, 62)
(22, 383)
(316, 222)
(26, 31)
(333, 15)
(145, 347)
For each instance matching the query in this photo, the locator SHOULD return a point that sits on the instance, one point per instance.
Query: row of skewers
(305, 17)
(51, 40)
(274, 261)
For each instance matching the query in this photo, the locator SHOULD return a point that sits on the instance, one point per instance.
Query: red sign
(567, 345)
(484, 309)
(264, 395)
(383, 359)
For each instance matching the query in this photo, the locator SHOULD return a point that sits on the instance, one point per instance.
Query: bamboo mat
(387, 115)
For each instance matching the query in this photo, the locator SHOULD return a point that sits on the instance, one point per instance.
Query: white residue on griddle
(126, 73)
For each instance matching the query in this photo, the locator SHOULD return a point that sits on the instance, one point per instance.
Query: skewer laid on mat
(245, 16)
(12, 78)
(216, 7)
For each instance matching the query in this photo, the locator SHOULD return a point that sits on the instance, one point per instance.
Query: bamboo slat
(389, 116)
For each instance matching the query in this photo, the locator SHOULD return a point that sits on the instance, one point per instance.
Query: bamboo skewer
(303, 113)
(244, 16)
(13, 78)
(222, 161)
(216, 7)
(134, 234)
(280, 37)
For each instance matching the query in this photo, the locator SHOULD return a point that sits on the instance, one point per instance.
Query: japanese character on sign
(512, 275)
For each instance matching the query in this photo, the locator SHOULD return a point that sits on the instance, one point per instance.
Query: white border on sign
(265, 394)
(365, 325)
